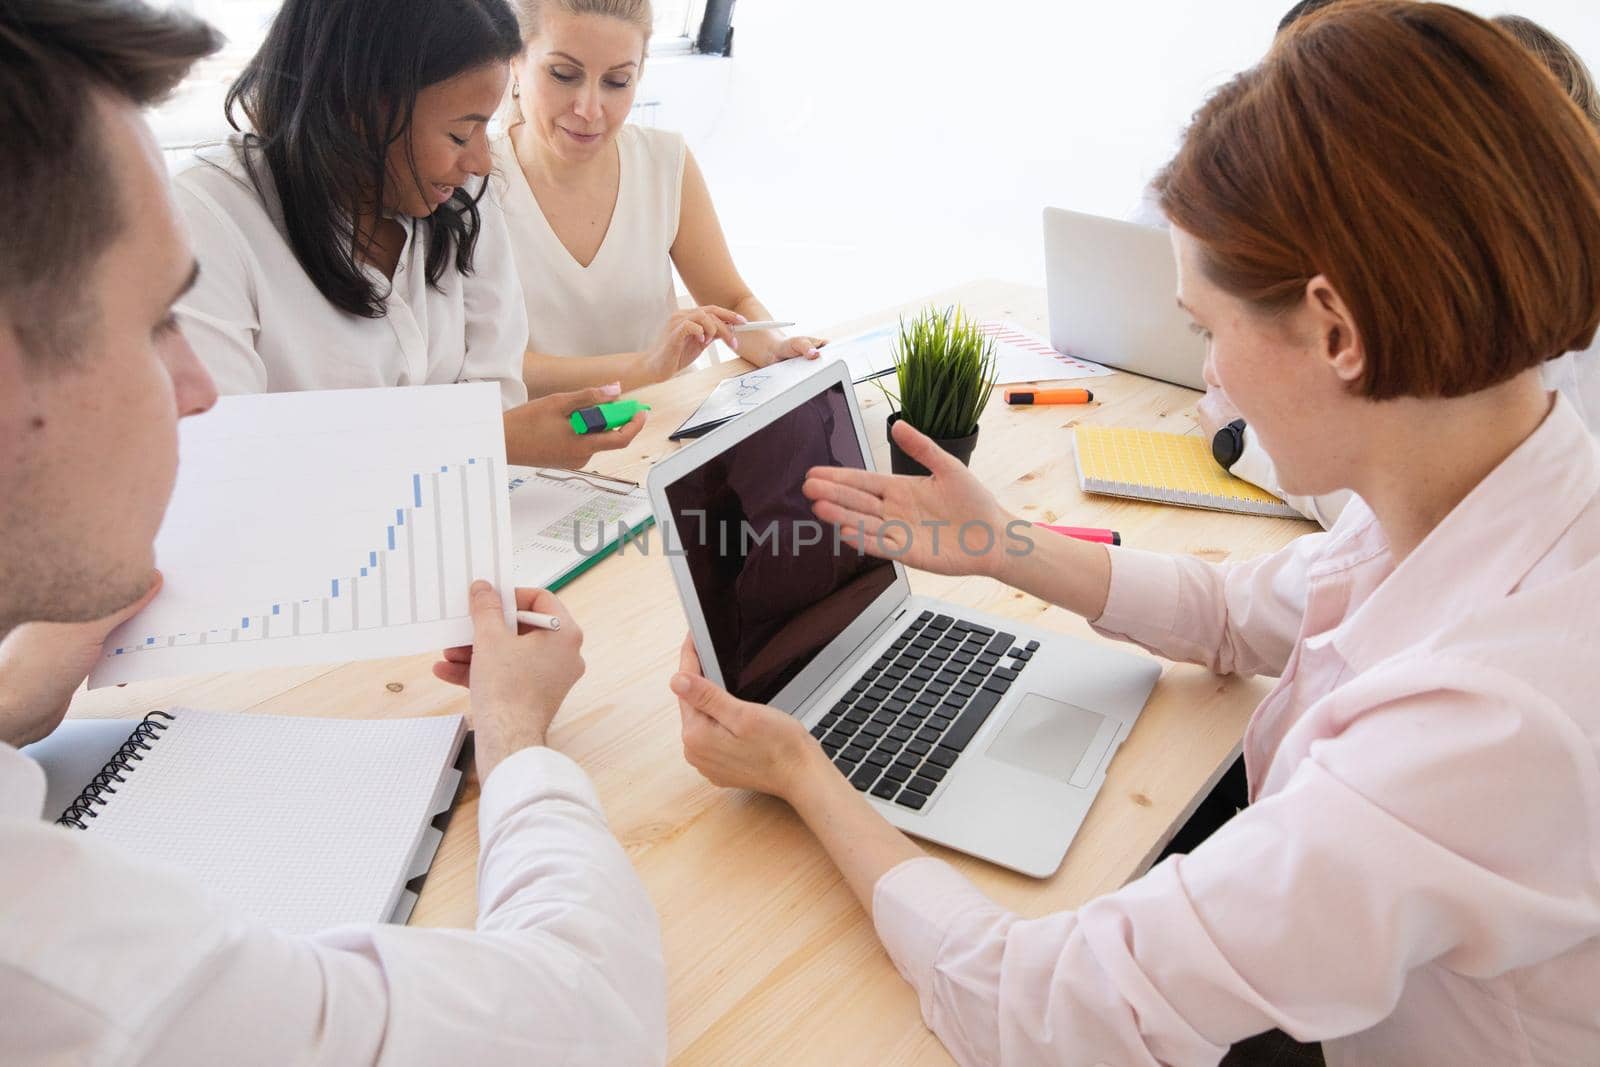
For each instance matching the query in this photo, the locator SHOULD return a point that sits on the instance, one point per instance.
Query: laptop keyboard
(906, 721)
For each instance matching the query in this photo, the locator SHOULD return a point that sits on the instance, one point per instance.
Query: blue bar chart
(336, 542)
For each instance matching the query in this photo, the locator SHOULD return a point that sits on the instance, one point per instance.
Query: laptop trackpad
(1046, 736)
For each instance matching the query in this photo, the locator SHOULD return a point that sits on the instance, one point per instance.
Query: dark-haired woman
(347, 235)
(1383, 231)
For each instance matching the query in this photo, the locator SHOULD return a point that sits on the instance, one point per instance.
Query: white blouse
(260, 324)
(621, 301)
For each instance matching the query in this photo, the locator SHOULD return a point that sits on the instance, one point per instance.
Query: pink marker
(1086, 533)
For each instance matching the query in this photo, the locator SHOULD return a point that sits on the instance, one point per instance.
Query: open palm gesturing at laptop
(947, 523)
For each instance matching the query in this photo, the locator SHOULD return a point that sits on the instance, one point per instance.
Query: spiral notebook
(304, 823)
(564, 522)
(1167, 468)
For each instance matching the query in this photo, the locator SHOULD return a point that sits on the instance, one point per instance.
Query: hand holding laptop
(740, 745)
(982, 732)
(947, 524)
(737, 744)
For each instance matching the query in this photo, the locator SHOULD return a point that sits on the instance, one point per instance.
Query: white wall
(863, 152)
(866, 152)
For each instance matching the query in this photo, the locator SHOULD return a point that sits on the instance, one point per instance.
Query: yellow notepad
(1168, 468)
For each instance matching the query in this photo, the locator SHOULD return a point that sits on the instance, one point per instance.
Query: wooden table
(769, 958)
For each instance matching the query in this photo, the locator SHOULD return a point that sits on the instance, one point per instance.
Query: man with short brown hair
(107, 959)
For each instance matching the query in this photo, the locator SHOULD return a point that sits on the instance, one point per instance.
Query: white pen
(539, 621)
(746, 327)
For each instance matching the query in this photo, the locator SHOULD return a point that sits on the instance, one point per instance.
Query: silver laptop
(972, 730)
(1113, 298)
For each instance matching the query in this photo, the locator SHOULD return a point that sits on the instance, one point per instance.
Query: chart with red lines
(1024, 357)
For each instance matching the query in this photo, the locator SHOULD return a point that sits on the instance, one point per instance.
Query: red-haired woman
(1383, 231)
(1575, 375)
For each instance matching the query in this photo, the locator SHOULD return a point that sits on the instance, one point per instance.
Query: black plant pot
(959, 447)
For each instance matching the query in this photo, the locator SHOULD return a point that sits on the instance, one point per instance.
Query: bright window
(677, 24)
(194, 114)
(244, 23)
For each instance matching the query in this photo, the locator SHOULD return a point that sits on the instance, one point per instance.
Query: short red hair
(1426, 164)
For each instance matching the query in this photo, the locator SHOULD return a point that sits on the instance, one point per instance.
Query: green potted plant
(944, 371)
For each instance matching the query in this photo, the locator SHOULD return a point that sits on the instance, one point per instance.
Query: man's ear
(1337, 339)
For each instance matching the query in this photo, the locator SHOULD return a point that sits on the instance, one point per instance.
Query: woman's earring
(516, 90)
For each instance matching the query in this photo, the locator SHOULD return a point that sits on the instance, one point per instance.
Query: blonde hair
(1557, 55)
(634, 12)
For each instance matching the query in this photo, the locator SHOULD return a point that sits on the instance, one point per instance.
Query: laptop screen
(774, 584)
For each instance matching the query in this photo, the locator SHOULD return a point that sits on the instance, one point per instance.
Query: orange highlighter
(1049, 396)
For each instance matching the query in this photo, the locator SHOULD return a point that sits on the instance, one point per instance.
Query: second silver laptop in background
(1113, 298)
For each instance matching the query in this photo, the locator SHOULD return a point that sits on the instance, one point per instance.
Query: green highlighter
(606, 416)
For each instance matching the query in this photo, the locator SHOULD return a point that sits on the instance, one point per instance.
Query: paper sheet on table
(734, 396)
(562, 522)
(1019, 357)
(1024, 357)
(868, 355)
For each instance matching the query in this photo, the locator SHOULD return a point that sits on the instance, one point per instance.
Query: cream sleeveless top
(621, 301)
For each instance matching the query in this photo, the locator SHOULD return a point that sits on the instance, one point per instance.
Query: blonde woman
(601, 211)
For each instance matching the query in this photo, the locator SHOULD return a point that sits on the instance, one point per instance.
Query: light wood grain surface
(769, 958)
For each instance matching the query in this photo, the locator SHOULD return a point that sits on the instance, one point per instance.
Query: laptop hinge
(852, 664)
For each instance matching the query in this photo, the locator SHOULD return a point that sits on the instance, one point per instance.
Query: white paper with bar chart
(322, 527)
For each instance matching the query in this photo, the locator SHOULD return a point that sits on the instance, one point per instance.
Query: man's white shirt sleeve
(106, 958)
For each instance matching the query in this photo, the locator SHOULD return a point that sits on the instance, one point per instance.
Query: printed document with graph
(563, 522)
(322, 527)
